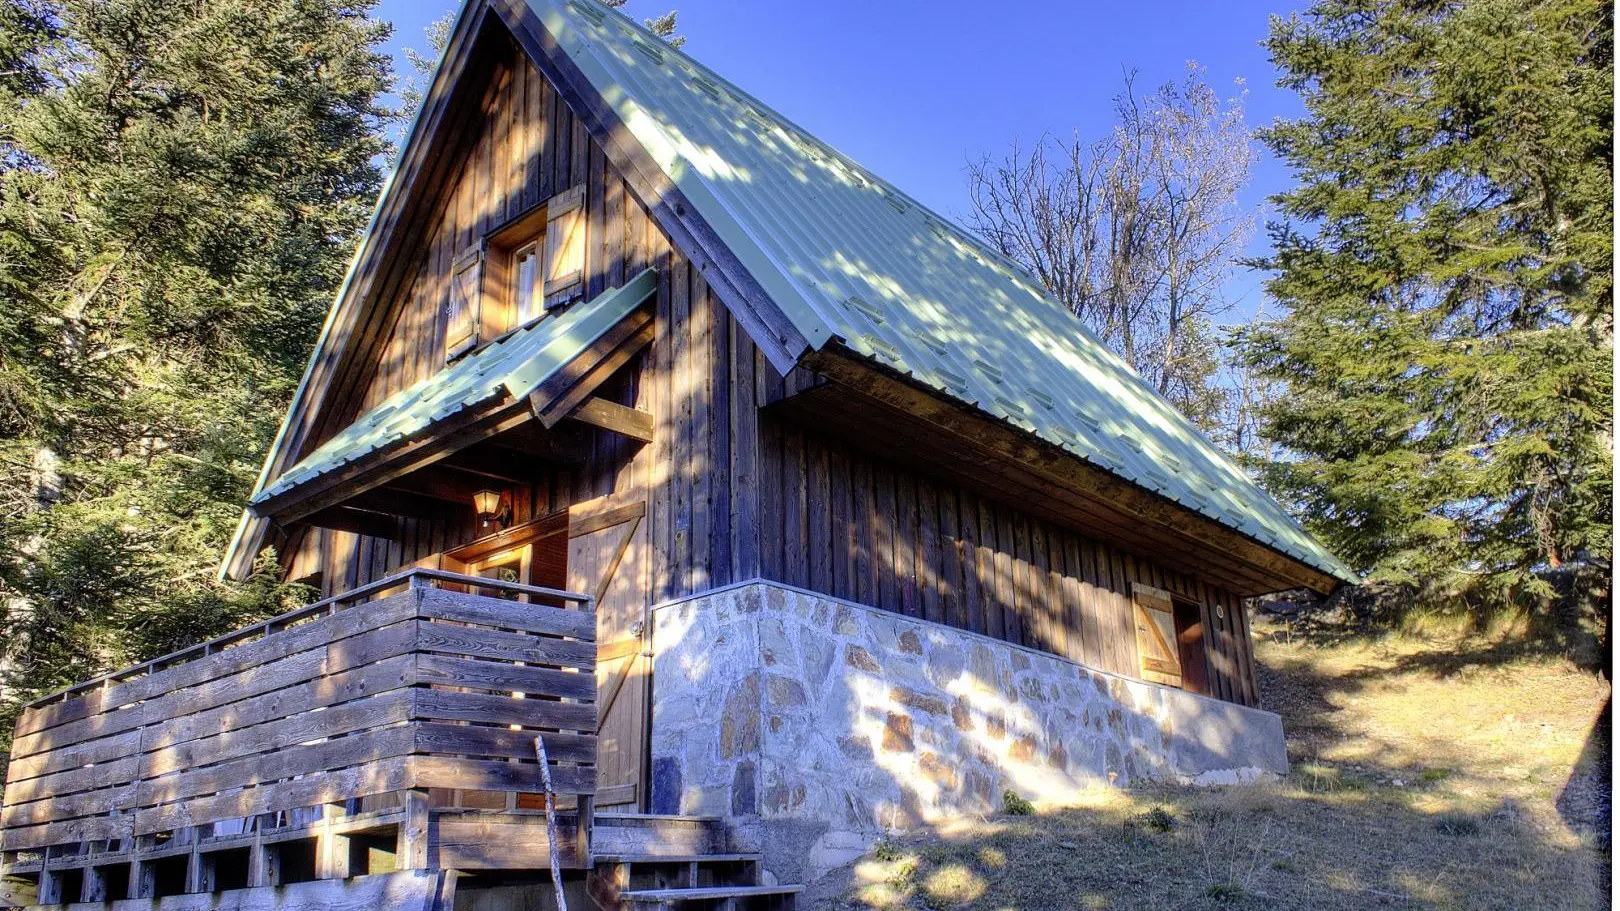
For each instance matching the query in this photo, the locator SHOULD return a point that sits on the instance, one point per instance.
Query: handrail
(412, 578)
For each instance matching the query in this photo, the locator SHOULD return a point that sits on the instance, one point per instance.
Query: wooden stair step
(707, 894)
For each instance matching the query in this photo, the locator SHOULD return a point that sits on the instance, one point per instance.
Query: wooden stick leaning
(551, 821)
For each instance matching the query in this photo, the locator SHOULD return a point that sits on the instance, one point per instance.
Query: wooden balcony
(382, 728)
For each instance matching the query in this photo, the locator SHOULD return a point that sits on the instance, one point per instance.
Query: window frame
(494, 309)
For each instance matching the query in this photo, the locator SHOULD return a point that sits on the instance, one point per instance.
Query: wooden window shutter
(1158, 656)
(462, 304)
(565, 247)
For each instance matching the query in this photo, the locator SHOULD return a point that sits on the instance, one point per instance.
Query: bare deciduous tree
(1136, 232)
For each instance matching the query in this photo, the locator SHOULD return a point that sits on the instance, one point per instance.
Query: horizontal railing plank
(501, 742)
(93, 828)
(388, 708)
(413, 580)
(306, 652)
(483, 643)
(73, 756)
(330, 787)
(318, 695)
(443, 705)
(498, 775)
(539, 619)
(450, 670)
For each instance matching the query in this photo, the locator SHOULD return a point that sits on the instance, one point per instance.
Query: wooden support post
(411, 846)
(446, 900)
(50, 883)
(94, 886)
(331, 850)
(142, 878)
(194, 863)
(582, 830)
(258, 870)
(207, 876)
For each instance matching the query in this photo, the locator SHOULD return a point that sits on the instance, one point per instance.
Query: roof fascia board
(664, 197)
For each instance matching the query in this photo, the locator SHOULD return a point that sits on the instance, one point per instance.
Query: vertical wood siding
(734, 493)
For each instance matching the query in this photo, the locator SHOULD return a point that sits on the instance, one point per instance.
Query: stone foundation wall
(817, 724)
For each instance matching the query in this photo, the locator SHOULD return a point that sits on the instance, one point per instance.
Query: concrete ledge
(817, 724)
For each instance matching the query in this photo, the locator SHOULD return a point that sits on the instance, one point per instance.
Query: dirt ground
(1428, 772)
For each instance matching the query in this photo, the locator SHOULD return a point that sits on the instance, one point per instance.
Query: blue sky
(913, 90)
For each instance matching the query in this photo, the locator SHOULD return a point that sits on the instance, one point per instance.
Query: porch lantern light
(492, 507)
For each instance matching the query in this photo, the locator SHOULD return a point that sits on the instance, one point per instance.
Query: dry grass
(1436, 772)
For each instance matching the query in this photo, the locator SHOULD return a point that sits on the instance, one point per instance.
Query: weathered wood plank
(621, 419)
(448, 670)
(496, 775)
(479, 643)
(501, 743)
(539, 619)
(361, 748)
(444, 705)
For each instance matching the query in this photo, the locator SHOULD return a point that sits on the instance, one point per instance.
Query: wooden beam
(581, 377)
(622, 419)
(358, 521)
(397, 501)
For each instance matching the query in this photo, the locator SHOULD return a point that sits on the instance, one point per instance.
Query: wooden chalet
(621, 336)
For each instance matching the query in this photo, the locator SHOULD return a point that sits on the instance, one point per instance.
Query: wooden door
(607, 559)
(1160, 659)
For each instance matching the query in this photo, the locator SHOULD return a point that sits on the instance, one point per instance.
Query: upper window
(532, 264)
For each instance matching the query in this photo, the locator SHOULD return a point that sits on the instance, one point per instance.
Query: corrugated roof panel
(509, 368)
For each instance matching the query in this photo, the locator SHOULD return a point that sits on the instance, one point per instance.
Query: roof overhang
(884, 411)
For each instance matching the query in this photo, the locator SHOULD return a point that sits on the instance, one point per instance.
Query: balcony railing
(403, 684)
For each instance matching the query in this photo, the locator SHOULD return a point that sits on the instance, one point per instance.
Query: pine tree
(1444, 267)
(181, 185)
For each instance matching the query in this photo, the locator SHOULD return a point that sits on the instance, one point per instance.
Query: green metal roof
(510, 368)
(848, 257)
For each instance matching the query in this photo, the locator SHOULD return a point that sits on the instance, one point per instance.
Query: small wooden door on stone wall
(607, 558)
(1169, 638)
(1156, 635)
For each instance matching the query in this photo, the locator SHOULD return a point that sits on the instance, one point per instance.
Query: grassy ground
(1428, 772)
